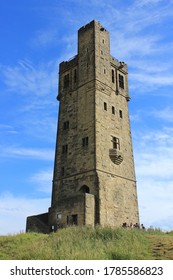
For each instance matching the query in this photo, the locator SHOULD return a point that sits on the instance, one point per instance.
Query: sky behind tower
(35, 37)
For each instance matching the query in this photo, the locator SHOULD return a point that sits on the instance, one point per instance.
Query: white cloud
(150, 66)
(155, 202)
(165, 114)
(136, 116)
(142, 3)
(154, 153)
(42, 154)
(138, 37)
(134, 18)
(149, 75)
(43, 180)
(154, 80)
(34, 116)
(7, 129)
(45, 37)
(26, 78)
(128, 46)
(154, 160)
(39, 126)
(147, 13)
(14, 211)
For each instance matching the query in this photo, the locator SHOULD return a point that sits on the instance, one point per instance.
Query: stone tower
(94, 177)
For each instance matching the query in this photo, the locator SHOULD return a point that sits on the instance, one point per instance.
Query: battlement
(87, 26)
(120, 65)
(65, 65)
(91, 25)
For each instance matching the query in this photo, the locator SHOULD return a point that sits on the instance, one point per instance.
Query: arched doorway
(84, 189)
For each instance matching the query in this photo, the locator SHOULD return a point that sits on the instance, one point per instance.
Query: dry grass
(76, 244)
(161, 246)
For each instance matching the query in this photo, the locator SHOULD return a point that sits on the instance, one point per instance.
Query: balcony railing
(116, 156)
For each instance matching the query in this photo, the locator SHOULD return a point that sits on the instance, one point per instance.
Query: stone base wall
(38, 223)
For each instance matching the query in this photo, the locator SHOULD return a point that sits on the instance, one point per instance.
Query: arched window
(84, 189)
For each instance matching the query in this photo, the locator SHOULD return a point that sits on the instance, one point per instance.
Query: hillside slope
(83, 243)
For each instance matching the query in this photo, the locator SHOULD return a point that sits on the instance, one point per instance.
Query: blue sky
(35, 37)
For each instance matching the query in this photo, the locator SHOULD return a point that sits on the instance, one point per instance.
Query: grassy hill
(84, 243)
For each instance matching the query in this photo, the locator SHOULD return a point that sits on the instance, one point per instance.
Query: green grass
(77, 243)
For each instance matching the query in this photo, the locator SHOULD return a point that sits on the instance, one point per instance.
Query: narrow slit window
(113, 110)
(113, 76)
(121, 114)
(85, 142)
(75, 75)
(105, 106)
